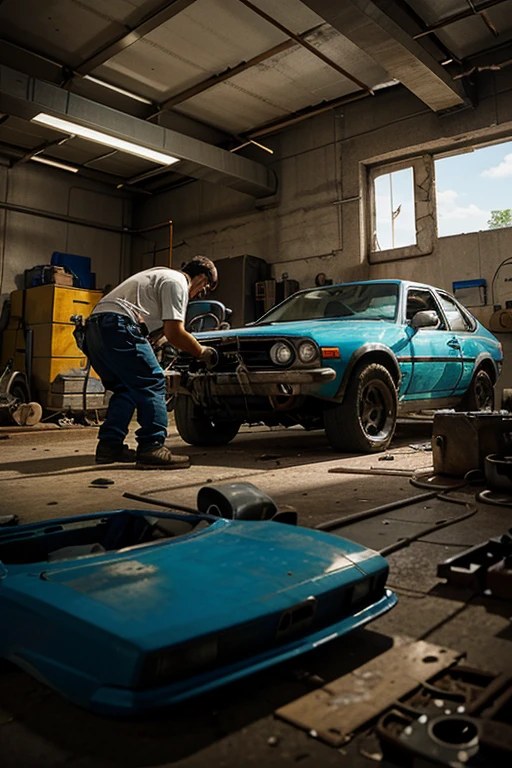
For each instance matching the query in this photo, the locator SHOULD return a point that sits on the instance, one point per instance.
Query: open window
(401, 220)
(473, 189)
(422, 300)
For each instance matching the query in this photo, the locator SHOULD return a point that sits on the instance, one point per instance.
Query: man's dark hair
(202, 265)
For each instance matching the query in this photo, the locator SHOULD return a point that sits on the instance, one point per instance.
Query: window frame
(468, 317)
(443, 321)
(424, 209)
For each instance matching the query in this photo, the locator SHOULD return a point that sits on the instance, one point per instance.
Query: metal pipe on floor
(158, 503)
(472, 510)
(340, 522)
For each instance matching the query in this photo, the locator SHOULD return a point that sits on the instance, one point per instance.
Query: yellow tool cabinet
(46, 310)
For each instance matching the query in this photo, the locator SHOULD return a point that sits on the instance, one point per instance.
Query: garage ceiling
(217, 75)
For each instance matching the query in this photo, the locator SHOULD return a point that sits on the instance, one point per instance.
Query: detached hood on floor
(230, 573)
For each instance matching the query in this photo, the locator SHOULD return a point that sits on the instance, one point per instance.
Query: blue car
(128, 610)
(349, 358)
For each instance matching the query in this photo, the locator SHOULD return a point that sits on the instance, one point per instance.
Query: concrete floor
(48, 474)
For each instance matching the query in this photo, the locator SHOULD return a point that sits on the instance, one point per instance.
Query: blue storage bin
(80, 266)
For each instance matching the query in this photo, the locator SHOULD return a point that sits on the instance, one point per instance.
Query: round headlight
(281, 354)
(307, 352)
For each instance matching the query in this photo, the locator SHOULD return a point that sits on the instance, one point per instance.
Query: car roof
(390, 281)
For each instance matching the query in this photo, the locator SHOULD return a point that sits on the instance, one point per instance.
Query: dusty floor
(48, 474)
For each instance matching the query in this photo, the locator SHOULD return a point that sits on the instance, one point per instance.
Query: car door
(435, 352)
(464, 329)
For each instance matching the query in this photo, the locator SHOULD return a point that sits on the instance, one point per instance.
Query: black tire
(18, 389)
(366, 419)
(196, 428)
(480, 395)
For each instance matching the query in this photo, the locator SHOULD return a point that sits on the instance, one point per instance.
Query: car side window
(456, 320)
(420, 300)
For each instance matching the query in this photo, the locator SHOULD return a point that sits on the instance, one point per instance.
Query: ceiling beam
(303, 114)
(25, 97)
(147, 24)
(227, 74)
(40, 149)
(304, 43)
(368, 27)
(230, 72)
(473, 11)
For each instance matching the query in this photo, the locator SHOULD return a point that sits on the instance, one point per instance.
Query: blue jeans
(127, 366)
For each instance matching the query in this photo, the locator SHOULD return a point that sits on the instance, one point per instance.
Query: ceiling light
(117, 89)
(55, 164)
(256, 143)
(74, 129)
(262, 146)
(387, 84)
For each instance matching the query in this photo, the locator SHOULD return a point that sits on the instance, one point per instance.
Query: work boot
(109, 453)
(160, 457)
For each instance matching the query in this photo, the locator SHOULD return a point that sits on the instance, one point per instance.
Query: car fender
(373, 352)
(485, 360)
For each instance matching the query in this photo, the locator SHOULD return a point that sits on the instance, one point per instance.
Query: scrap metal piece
(484, 566)
(450, 740)
(340, 707)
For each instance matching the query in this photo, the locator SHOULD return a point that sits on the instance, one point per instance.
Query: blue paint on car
(382, 348)
(178, 605)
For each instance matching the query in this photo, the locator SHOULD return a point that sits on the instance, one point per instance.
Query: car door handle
(453, 343)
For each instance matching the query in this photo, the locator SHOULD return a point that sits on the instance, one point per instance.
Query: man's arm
(176, 335)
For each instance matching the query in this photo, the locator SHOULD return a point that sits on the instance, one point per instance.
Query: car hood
(227, 574)
(323, 331)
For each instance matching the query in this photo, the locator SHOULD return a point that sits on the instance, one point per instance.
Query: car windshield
(355, 301)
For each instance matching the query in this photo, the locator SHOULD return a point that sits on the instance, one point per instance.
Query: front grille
(251, 638)
(255, 353)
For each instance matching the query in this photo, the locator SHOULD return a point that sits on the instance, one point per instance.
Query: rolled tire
(196, 428)
(366, 419)
(480, 394)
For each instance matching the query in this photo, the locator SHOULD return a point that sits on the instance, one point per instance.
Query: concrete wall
(28, 240)
(315, 222)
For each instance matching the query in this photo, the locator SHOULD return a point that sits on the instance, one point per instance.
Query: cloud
(501, 171)
(454, 218)
(448, 197)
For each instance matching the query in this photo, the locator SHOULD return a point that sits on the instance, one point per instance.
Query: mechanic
(120, 353)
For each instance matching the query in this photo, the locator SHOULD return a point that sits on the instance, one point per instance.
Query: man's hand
(209, 357)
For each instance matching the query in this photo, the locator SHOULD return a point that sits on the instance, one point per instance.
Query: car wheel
(365, 421)
(480, 395)
(196, 428)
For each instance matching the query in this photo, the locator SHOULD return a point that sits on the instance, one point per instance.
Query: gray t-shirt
(154, 295)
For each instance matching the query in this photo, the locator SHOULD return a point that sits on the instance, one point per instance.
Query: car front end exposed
(258, 365)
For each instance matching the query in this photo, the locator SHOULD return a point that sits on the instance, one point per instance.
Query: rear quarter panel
(476, 346)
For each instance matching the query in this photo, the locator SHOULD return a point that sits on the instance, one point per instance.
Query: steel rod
(340, 522)
(432, 529)
(159, 503)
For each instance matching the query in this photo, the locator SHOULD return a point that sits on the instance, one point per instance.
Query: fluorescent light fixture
(117, 89)
(74, 129)
(256, 144)
(387, 84)
(55, 164)
(262, 146)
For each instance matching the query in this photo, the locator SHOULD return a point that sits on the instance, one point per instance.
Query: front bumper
(243, 382)
(121, 701)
